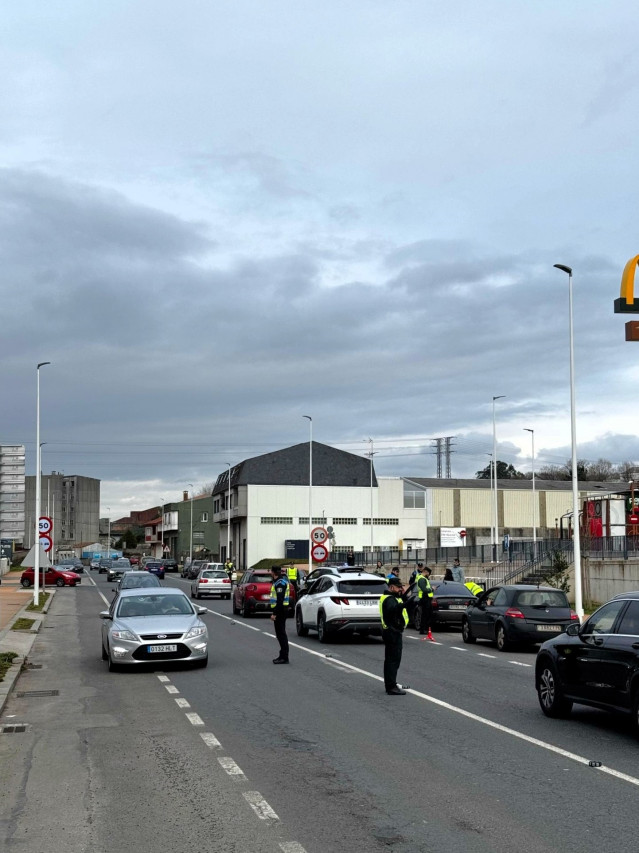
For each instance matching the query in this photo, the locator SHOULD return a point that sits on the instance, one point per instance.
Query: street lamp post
(228, 516)
(36, 568)
(108, 548)
(191, 529)
(310, 489)
(573, 440)
(495, 501)
(371, 453)
(162, 523)
(534, 494)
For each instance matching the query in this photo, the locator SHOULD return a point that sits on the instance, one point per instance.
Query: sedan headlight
(123, 635)
(195, 632)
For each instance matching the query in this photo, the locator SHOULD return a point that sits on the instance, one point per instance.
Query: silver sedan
(150, 625)
(211, 582)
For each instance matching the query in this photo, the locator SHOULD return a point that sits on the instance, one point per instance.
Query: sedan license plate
(549, 627)
(366, 601)
(159, 649)
(457, 607)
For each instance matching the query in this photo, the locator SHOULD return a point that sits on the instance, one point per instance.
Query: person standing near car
(425, 593)
(458, 572)
(228, 568)
(280, 600)
(394, 619)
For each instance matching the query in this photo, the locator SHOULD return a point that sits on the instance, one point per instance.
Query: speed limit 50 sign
(319, 535)
(45, 525)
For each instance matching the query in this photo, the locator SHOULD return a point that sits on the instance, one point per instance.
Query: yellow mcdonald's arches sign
(627, 304)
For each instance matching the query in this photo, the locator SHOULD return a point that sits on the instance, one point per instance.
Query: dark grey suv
(595, 664)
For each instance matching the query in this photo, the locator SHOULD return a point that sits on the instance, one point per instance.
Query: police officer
(425, 593)
(474, 587)
(414, 573)
(293, 576)
(228, 568)
(394, 620)
(280, 600)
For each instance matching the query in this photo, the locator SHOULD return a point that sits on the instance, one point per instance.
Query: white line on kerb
(195, 719)
(163, 678)
(210, 740)
(291, 847)
(182, 703)
(230, 767)
(171, 688)
(259, 805)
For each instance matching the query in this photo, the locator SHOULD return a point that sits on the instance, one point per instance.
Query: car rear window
(214, 574)
(541, 598)
(135, 583)
(260, 579)
(361, 587)
(452, 588)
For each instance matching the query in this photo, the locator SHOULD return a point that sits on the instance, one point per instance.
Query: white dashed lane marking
(171, 688)
(231, 767)
(484, 655)
(259, 805)
(182, 703)
(210, 740)
(163, 678)
(458, 649)
(195, 719)
(519, 663)
(291, 847)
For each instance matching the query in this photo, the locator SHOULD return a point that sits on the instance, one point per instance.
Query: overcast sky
(220, 216)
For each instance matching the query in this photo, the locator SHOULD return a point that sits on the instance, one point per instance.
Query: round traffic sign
(319, 535)
(45, 541)
(44, 524)
(319, 553)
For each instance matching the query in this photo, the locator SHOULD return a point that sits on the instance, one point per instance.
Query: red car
(52, 577)
(252, 594)
(135, 561)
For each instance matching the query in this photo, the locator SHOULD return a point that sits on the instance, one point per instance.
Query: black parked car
(595, 664)
(450, 601)
(512, 614)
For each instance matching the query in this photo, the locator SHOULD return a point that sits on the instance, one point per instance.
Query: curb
(25, 640)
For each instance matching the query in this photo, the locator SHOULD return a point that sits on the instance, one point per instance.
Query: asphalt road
(311, 757)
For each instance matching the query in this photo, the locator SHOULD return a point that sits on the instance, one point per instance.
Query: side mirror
(105, 615)
(573, 629)
(201, 611)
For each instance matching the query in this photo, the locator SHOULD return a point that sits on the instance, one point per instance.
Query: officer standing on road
(425, 593)
(280, 599)
(394, 620)
(228, 568)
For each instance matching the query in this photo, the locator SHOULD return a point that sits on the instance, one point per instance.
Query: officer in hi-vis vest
(394, 620)
(280, 600)
(425, 593)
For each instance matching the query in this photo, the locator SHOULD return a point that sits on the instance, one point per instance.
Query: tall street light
(534, 494)
(228, 515)
(162, 523)
(371, 453)
(573, 440)
(109, 535)
(191, 530)
(36, 568)
(310, 489)
(495, 501)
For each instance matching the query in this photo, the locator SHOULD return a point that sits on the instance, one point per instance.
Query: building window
(344, 521)
(216, 505)
(274, 519)
(204, 516)
(414, 500)
(386, 522)
(317, 520)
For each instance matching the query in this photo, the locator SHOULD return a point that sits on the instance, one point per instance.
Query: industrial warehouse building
(266, 503)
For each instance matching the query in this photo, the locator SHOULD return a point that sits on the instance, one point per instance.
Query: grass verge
(23, 624)
(6, 659)
(42, 600)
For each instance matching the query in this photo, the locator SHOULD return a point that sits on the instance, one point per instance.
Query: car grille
(181, 652)
(160, 637)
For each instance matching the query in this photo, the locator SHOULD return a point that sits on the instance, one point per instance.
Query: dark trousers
(393, 641)
(426, 605)
(280, 633)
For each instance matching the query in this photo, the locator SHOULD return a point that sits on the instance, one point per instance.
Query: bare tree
(204, 489)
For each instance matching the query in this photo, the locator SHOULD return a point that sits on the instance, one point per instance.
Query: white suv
(341, 603)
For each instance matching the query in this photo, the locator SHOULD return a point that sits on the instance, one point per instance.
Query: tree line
(601, 471)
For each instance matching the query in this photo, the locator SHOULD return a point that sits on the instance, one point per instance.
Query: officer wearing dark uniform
(394, 620)
(280, 600)
(425, 593)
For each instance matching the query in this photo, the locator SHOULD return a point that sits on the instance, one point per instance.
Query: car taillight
(435, 603)
(226, 580)
(514, 613)
(574, 616)
(204, 580)
(336, 599)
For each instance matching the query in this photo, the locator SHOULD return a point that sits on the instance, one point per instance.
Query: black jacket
(392, 610)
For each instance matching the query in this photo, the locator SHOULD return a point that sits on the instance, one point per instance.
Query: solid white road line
(210, 740)
(182, 703)
(259, 805)
(103, 597)
(195, 719)
(171, 688)
(231, 767)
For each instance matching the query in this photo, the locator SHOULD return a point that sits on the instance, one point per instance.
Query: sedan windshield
(154, 605)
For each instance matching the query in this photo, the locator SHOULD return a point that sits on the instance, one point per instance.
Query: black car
(73, 565)
(194, 569)
(512, 614)
(170, 565)
(104, 566)
(595, 664)
(450, 601)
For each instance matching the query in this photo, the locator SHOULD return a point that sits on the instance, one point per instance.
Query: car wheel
(467, 634)
(323, 631)
(113, 667)
(551, 700)
(235, 609)
(192, 595)
(25, 582)
(501, 639)
(299, 624)
(635, 712)
(104, 654)
(59, 582)
(198, 595)
(245, 611)
(201, 664)
(417, 619)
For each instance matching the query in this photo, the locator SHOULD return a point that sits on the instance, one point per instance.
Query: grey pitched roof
(290, 467)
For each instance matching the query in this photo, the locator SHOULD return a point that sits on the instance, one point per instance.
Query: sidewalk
(12, 598)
